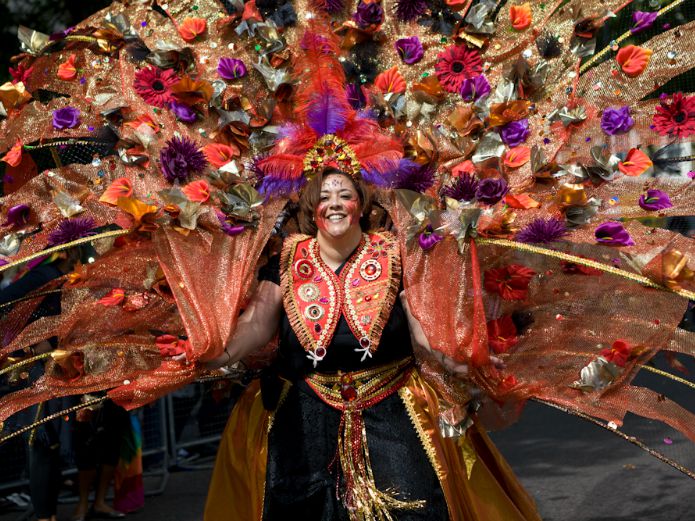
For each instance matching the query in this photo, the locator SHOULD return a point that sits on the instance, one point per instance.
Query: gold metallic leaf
(572, 195)
(13, 95)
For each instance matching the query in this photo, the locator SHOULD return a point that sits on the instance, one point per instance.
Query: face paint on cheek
(321, 221)
(352, 209)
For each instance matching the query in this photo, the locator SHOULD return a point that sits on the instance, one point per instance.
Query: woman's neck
(335, 250)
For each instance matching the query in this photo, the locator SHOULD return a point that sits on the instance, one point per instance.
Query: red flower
(14, 155)
(21, 73)
(154, 85)
(677, 118)
(112, 298)
(501, 334)
(618, 353)
(509, 282)
(197, 191)
(219, 154)
(170, 345)
(390, 81)
(67, 70)
(456, 64)
(572, 268)
(507, 384)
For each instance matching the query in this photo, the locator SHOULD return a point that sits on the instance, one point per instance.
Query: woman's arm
(256, 326)
(419, 339)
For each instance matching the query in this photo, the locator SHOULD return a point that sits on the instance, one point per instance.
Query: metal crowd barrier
(179, 432)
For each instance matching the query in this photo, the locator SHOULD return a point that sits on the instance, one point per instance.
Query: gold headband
(331, 150)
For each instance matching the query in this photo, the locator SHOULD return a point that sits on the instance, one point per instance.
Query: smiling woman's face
(339, 207)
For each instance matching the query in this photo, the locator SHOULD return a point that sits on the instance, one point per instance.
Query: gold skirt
(477, 482)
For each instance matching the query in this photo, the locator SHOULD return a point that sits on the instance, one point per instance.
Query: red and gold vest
(364, 292)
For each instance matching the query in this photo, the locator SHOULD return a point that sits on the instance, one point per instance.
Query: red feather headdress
(327, 130)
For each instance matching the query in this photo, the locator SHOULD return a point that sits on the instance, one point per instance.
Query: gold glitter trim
(588, 355)
(641, 279)
(26, 361)
(52, 417)
(61, 247)
(33, 295)
(596, 57)
(427, 445)
(658, 455)
(283, 395)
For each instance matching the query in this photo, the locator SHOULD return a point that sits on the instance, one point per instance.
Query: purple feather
(384, 176)
(327, 113)
(272, 186)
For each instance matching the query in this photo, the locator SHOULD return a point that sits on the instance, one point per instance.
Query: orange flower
(191, 28)
(517, 156)
(145, 119)
(521, 201)
(67, 70)
(520, 16)
(465, 167)
(14, 155)
(390, 81)
(121, 187)
(219, 154)
(503, 113)
(633, 60)
(636, 163)
(112, 298)
(140, 211)
(197, 191)
(191, 91)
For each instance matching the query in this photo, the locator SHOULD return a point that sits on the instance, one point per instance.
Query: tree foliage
(46, 16)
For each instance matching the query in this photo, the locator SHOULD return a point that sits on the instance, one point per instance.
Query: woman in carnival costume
(514, 161)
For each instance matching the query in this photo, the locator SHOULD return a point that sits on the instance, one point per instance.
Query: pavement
(575, 470)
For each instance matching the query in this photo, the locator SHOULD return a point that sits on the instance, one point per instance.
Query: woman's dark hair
(309, 200)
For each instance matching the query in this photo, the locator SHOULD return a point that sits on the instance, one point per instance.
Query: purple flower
(542, 231)
(474, 88)
(413, 176)
(355, 96)
(462, 189)
(180, 159)
(613, 234)
(515, 132)
(227, 227)
(368, 14)
(67, 117)
(410, 49)
(71, 229)
(616, 121)
(655, 200)
(231, 68)
(17, 215)
(407, 10)
(491, 190)
(428, 238)
(643, 20)
(183, 112)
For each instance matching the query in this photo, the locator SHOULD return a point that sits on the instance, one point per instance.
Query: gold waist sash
(351, 393)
